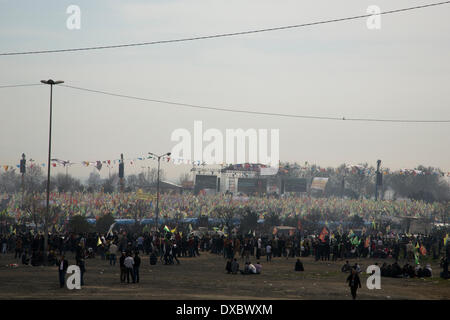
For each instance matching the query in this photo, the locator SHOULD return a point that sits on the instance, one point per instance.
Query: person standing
(82, 265)
(112, 254)
(129, 263)
(122, 267)
(137, 264)
(62, 264)
(269, 252)
(354, 282)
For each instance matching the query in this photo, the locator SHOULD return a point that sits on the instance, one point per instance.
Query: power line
(20, 85)
(222, 35)
(180, 104)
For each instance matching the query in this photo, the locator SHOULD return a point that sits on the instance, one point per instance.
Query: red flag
(423, 251)
(323, 234)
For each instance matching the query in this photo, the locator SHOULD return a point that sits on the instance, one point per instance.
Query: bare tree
(226, 216)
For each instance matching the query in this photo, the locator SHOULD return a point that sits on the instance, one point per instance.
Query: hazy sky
(341, 69)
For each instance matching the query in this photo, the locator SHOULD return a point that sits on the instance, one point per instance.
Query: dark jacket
(355, 283)
(65, 265)
(122, 261)
(137, 262)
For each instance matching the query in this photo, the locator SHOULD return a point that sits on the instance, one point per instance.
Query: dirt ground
(204, 277)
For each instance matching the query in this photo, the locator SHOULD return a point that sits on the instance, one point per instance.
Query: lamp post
(378, 180)
(23, 169)
(157, 185)
(51, 83)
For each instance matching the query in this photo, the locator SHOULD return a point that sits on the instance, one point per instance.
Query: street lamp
(157, 185)
(51, 83)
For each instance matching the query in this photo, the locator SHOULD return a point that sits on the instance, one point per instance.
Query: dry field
(204, 277)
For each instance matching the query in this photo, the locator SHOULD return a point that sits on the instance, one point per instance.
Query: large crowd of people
(126, 244)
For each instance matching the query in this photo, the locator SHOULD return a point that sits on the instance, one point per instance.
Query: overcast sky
(340, 69)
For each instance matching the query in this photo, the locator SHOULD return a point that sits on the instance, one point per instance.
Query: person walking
(62, 264)
(354, 282)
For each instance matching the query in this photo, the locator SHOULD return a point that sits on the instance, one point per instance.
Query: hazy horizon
(343, 69)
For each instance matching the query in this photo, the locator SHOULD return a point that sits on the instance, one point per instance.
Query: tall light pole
(157, 184)
(378, 180)
(23, 169)
(51, 83)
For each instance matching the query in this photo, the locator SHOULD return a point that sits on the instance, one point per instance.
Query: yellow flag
(174, 230)
(99, 242)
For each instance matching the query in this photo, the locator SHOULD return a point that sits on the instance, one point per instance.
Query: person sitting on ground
(25, 259)
(419, 271)
(246, 269)
(251, 268)
(427, 272)
(234, 266)
(299, 266)
(228, 266)
(258, 267)
(383, 270)
(396, 270)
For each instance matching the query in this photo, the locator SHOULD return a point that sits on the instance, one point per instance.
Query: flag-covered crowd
(95, 205)
(124, 245)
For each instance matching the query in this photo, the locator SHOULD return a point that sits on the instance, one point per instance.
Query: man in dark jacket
(62, 264)
(123, 270)
(353, 282)
(137, 264)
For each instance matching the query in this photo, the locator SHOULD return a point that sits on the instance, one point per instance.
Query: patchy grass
(204, 277)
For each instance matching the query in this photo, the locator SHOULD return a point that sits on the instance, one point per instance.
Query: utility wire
(20, 85)
(180, 104)
(222, 35)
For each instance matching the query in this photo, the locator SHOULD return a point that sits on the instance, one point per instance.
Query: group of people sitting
(395, 271)
(232, 267)
(408, 271)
